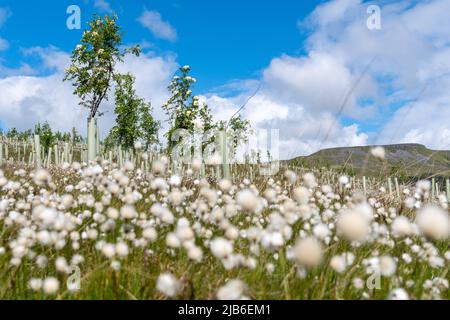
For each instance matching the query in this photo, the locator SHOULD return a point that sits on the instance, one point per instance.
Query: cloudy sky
(325, 79)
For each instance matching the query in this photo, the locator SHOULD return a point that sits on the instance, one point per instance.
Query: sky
(325, 73)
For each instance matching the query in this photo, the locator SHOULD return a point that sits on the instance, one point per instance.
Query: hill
(403, 160)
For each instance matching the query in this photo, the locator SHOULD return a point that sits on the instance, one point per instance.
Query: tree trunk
(37, 151)
(91, 139)
(223, 142)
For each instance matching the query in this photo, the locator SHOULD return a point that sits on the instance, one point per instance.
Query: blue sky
(306, 57)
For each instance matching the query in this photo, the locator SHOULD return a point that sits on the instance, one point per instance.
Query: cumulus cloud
(306, 79)
(411, 56)
(4, 44)
(4, 14)
(424, 120)
(102, 5)
(24, 70)
(301, 130)
(52, 59)
(152, 20)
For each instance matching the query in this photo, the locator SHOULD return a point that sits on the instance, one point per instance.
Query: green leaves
(47, 138)
(148, 126)
(182, 108)
(133, 116)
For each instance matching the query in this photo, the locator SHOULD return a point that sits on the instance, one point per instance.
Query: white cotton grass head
(321, 231)
(387, 266)
(128, 212)
(398, 294)
(247, 200)
(270, 195)
(115, 265)
(61, 265)
(225, 185)
(341, 262)
(301, 195)
(290, 176)
(343, 180)
(41, 176)
(168, 285)
(310, 180)
(423, 186)
(221, 247)
(108, 250)
(378, 152)
(122, 249)
(401, 226)
(433, 222)
(353, 225)
(172, 240)
(232, 290)
(338, 263)
(195, 253)
(364, 209)
(176, 197)
(158, 167)
(50, 285)
(35, 284)
(67, 200)
(307, 252)
(175, 180)
(149, 234)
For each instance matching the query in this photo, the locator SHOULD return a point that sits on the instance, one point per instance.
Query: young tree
(240, 129)
(182, 113)
(148, 126)
(237, 130)
(93, 67)
(75, 137)
(134, 121)
(47, 139)
(93, 61)
(24, 135)
(126, 131)
(12, 133)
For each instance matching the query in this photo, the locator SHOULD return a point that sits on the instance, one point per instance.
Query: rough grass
(139, 271)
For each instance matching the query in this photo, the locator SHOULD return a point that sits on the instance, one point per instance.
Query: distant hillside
(403, 160)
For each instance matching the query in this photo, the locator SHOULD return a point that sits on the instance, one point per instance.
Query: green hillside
(403, 160)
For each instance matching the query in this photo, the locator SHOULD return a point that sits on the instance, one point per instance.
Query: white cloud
(51, 57)
(24, 70)
(412, 34)
(306, 79)
(160, 29)
(301, 131)
(423, 121)
(412, 54)
(4, 44)
(28, 100)
(102, 5)
(4, 15)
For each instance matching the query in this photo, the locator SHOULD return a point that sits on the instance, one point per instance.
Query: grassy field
(125, 233)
